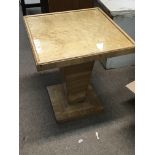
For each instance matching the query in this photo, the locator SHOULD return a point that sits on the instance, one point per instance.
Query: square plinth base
(65, 112)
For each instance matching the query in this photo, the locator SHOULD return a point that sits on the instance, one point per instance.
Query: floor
(41, 135)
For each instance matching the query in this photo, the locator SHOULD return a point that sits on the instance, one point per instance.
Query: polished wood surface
(72, 37)
(74, 98)
(73, 40)
(76, 79)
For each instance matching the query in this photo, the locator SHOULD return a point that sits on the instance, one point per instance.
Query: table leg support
(74, 98)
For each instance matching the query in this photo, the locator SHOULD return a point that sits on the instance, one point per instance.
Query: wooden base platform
(65, 112)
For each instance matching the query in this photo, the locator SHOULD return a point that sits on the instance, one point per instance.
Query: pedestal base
(65, 112)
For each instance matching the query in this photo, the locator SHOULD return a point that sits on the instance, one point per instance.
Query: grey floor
(41, 135)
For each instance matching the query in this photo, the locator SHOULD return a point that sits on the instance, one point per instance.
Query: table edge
(75, 60)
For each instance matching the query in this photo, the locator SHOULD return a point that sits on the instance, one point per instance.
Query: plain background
(145, 78)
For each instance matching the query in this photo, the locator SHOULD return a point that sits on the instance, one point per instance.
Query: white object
(80, 141)
(97, 135)
(131, 86)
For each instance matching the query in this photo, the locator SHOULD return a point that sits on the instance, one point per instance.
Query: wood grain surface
(76, 81)
(66, 112)
(73, 37)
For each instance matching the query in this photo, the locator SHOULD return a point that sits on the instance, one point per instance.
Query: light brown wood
(74, 98)
(73, 37)
(65, 112)
(72, 40)
(76, 79)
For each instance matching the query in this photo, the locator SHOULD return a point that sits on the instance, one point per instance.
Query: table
(72, 41)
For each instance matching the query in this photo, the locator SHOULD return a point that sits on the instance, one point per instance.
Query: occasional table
(72, 41)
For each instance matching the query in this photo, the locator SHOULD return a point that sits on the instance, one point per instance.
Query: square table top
(67, 38)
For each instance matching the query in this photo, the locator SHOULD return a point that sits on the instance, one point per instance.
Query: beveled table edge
(76, 60)
(82, 59)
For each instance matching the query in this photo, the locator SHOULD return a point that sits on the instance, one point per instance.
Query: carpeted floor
(41, 135)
